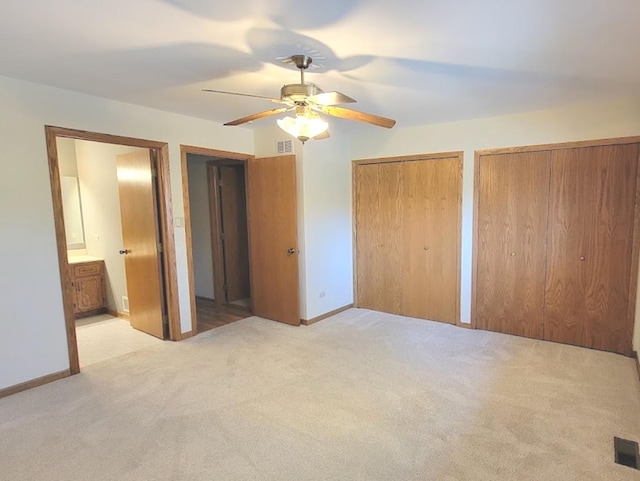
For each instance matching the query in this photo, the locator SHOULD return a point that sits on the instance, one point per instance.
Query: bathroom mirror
(72, 212)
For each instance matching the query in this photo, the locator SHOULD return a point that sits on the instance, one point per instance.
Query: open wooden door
(273, 238)
(138, 212)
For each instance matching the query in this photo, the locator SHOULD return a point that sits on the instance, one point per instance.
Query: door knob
(426, 248)
(291, 251)
(582, 258)
(125, 251)
(513, 254)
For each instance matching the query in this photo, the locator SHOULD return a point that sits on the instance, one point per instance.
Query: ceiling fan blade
(244, 95)
(355, 115)
(322, 136)
(257, 116)
(330, 98)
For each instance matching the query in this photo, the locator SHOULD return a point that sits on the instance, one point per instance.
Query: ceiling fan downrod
(302, 62)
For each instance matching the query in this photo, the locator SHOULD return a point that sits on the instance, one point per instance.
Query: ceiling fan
(306, 100)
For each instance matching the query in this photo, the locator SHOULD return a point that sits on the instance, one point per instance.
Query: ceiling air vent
(284, 146)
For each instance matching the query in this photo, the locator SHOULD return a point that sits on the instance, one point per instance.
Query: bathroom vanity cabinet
(88, 287)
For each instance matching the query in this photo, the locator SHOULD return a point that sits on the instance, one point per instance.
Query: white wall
(584, 122)
(328, 225)
(32, 319)
(200, 225)
(324, 218)
(67, 157)
(100, 201)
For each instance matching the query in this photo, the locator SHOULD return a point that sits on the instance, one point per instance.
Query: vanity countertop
(80, 259)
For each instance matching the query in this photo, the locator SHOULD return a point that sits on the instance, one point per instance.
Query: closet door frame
(459, 155)
(635, 249)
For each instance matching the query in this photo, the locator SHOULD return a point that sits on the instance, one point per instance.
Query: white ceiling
(418, 61)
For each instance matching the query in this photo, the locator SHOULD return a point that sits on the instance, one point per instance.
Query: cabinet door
(511, 242)
(593, 192)
(432, 195)
(378, 190)
(89, 293)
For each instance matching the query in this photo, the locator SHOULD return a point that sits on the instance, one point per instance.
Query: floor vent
(284, 146)
(626, 452)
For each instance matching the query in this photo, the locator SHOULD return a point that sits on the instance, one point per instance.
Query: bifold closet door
(379, 240)
(432, 197)
(589, 262)
(511, 242)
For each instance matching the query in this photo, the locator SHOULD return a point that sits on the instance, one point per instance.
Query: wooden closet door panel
(379, 236)
(511, 236)
(432, 193)
(367, 268)
(593, 192)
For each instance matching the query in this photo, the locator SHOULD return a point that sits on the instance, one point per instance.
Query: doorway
(144, 169)
(271, 206)
(217, 234)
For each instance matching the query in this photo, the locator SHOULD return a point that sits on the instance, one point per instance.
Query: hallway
(211, 315)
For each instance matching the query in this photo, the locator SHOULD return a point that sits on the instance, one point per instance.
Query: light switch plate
(178, 221)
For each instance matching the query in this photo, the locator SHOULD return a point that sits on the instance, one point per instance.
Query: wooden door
(379, 237)
(233, 214)
(511, 242)
(432, 196)
(273, 238)
(592, 205)
(138, 212)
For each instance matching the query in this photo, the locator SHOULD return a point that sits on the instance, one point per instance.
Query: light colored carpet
(359, 396)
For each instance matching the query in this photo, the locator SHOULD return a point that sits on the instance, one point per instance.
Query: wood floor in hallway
(211, 315)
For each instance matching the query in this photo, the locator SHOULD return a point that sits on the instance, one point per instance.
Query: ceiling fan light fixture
(303, 126)
(304, 98)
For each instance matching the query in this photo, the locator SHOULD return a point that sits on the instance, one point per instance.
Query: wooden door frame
(635, 248)
(409, 158)
(215, 240)
(165, 218)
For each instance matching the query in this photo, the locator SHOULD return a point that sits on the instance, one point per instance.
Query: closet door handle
(582, 258)
(125, 251)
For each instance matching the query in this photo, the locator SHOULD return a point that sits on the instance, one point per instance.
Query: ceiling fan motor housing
(299, 92)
